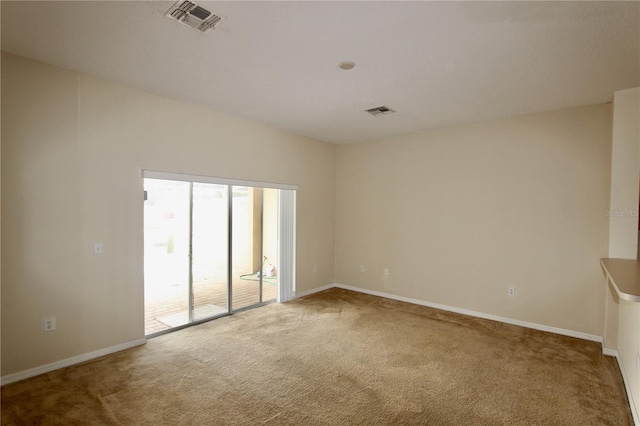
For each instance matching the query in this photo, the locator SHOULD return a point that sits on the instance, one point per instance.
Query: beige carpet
(335, 358)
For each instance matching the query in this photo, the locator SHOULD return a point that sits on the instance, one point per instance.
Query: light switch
(97, 248)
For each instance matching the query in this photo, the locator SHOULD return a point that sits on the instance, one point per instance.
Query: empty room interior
(320, 212)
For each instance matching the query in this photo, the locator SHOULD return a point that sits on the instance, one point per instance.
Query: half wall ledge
(624, 276)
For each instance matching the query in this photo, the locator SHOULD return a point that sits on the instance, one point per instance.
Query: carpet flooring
(334, 358)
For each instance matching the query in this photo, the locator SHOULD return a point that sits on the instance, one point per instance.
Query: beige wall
(459, 214)
(623, 240)
(622, 326)
(72, 154)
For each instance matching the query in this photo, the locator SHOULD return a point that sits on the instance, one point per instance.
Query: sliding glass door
(209, 246)
(210, 249)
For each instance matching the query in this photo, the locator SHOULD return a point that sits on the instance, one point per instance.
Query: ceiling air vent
(192, 15)
(381, 110)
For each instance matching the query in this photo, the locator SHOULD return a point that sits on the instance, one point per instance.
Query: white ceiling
(435, 63)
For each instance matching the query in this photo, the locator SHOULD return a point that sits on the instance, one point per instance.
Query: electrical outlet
(49, 324)
(361, 268)
(511, 291)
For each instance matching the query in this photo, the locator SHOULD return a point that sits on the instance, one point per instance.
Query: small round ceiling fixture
(347, 65)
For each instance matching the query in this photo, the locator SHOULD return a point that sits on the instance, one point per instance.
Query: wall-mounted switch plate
(97, 248)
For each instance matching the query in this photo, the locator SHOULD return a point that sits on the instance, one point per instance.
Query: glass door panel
(166, 254)
(210, 242)
(246, 224)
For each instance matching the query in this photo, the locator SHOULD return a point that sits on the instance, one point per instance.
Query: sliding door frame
(191, 296)
(286, 238)
(261, 249)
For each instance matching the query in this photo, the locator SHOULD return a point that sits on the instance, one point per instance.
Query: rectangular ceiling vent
(381, 110)
(194, 16)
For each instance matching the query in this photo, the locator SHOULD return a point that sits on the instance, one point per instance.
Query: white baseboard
(10, 378)
(483, 315)
(634, 410)
(315, 290)
(609, 352)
